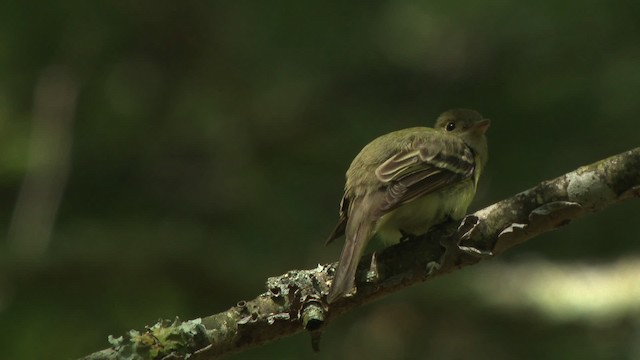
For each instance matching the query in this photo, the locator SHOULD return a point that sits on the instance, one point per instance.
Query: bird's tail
(357, 236)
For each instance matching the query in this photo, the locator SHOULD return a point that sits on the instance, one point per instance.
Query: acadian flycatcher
(407, 181)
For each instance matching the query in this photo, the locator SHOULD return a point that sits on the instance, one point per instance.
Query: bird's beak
(481, 126)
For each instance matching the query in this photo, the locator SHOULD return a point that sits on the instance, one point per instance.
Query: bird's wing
(423, 168)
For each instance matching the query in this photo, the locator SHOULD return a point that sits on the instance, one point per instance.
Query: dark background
(162, 159)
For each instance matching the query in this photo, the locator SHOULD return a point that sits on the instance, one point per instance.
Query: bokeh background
(162, 159)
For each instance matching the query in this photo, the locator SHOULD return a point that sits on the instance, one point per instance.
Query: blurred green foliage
(209, 142)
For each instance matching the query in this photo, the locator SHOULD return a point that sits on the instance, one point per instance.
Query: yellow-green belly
(417, 216)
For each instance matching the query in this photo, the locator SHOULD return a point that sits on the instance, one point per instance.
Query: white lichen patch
(512, 229)
(484, 213)
(589, 189)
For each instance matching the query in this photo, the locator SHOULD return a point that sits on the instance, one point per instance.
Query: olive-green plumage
(405, 182)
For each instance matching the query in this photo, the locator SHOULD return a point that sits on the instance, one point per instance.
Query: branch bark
(295, 301)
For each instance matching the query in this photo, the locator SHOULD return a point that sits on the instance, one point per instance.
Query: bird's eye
(450, 126)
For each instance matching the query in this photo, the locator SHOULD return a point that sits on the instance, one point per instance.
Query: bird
(403, 183)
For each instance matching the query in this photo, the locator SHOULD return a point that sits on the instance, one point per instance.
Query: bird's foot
(432, 267)
(445, 234)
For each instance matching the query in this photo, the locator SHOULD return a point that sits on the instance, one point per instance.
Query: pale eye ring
(450, 126)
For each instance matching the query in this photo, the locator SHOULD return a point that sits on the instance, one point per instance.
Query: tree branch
(295, 301)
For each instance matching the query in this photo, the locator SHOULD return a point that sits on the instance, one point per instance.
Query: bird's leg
(443, 233)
